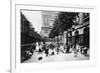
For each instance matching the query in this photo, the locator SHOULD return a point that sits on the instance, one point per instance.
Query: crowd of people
(51, 49)
(56, 48)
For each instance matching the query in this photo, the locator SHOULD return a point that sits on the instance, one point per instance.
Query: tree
(28, 33)
(64, 22)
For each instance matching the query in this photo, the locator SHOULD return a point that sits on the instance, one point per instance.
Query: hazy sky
(35, 17)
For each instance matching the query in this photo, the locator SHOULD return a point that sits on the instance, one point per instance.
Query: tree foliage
(62, 23)
(28, 33)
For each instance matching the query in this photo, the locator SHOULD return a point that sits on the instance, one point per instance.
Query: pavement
(55, 58)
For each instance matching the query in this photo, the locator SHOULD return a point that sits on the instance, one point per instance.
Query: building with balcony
(79, 34)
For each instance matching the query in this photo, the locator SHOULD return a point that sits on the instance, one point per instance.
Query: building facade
(78, 34)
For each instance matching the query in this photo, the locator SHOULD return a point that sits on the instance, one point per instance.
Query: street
(57, 57)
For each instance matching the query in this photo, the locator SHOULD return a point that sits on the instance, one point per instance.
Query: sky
(35, 17)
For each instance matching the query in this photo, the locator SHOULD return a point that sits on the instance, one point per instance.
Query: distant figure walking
(37, 47)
